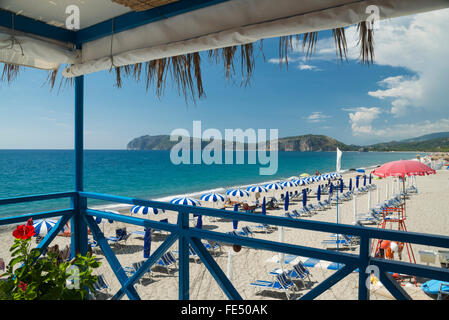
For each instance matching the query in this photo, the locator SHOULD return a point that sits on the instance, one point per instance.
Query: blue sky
(402, 95)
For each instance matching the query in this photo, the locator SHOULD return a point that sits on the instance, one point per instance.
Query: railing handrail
(37, 197)
(329, 227)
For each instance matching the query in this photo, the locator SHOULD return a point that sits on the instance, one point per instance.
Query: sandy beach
(426, 213)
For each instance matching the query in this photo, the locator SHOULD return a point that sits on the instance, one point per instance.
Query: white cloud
(316, 117)
(308, 67)
(361, 119)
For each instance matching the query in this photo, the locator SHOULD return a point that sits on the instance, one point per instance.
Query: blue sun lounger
(282, 284)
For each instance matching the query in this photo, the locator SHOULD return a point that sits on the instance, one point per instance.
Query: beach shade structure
(186, 201)
(147, 243)
(350, 184)
(341, 185)
(273, 188)
(360, 170)
(99, 220)
(255, 189)
(213, 198)
(331, 189)
(304, 197)
(370, 178)
(292, 178)
(300, 182)
(304, 175)
(42, 227)
(318, 193)
(357, 178)
(288, 185)
(142, 210)
(403, 168)
(364, 180)
(235, 223)
(264, 207)
(237, 193)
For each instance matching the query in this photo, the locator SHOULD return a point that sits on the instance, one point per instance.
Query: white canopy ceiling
(225, 24)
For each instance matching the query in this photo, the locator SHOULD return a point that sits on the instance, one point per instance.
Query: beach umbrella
(142, 210)
(318, 194)
(304, 175)
(185, 201)
(364, 180)
(304, 197)
(331, 189)
(370, 178)
(293, 178)
(235, 223)
(360, 170)
(350, 184)
(300, 182)
(213, 198)
(341, 185)
(357, 182)
(286, 201)
(147, 243)
(403, 168)
(273, 187)
(264, 207)
(288, 184)
(237, 193)
(42, 227)
(255, 189)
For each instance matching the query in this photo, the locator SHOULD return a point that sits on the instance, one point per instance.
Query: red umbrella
(403, 168)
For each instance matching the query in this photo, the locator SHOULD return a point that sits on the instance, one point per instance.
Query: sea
(151, 174)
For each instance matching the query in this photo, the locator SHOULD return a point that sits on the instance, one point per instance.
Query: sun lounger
(213, 246)
(282, 284)
(135, 266)
(342, 241)
(99, 286)
(167, 260)
(299, 272)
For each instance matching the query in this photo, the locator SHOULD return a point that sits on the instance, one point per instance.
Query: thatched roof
(142, 5)
(224, 32)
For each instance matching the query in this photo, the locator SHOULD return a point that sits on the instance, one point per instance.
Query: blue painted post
(364, 262)
(78, 225)
(183, 243)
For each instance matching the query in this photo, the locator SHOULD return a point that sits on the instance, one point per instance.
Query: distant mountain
(434, 142)
(299, 143)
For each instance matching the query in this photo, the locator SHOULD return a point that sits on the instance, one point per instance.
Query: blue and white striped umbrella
(310, 180)
(300, 182)
(322, 178)
(142, 210)
(213, 197)
(237, 193)
(273, 186)
(254, 189)
(185, 201)
(42, 227)
(288, 184)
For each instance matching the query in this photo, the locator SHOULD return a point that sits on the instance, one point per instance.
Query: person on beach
(317, 173)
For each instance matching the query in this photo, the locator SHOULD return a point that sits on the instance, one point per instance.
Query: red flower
(23, 286)
(24, 232)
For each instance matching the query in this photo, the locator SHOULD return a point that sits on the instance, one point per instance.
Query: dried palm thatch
(141, 5)
(185, 70)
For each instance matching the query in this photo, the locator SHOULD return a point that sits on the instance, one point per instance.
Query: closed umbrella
(235, 223)
(341, 185)
(370, 178)
(357, 182)
(331, 189)
(286, 201)
(264, 207)
(304, 197)
(318, 193)
(147, 243)
(364, 180)
(350, 184)
(199, 221)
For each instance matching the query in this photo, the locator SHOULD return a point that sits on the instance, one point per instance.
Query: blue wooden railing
(187, 235)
